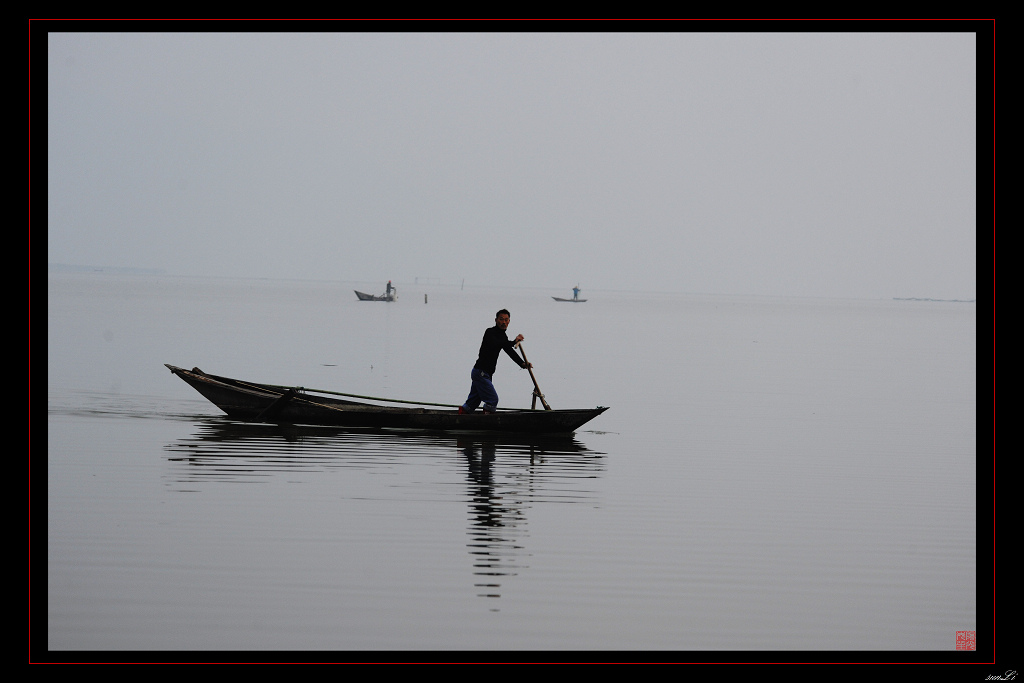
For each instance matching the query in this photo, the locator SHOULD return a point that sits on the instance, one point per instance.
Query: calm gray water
(773, 474)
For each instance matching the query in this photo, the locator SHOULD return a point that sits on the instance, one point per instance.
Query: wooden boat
(363, 296)
(574, 301)
(275, 404)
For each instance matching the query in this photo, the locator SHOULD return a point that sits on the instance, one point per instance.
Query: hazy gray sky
(836, 164)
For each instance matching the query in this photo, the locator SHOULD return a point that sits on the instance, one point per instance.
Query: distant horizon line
(435, 282)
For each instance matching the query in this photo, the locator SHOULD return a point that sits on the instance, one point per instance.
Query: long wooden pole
(536, 388)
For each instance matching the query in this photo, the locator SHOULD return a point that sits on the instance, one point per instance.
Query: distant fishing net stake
(536, 388)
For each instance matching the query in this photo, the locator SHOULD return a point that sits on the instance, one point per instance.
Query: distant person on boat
(575, 292)
(495, 340)
(389, 289)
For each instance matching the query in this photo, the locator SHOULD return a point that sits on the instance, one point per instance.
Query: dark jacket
(494, 341)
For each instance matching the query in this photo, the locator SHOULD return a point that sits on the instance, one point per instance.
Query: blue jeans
(482, 390)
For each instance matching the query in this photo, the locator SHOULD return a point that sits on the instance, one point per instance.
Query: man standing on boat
(575, 292)
(495, 340)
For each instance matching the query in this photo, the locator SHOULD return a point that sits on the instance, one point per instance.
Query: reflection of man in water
(493, 522)
(576, 292)
(480, 469)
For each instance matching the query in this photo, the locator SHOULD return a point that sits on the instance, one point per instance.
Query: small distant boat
(575, 296)
(390, 294)
(274, 404)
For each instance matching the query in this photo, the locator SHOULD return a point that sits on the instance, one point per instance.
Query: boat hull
(363, 296)
(572, 301)
(251, 402)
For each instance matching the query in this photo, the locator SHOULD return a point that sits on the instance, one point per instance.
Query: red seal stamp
(965, 640)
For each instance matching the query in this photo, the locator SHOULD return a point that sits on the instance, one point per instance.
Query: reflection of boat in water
(224, 449)
(272, 403)
(221, 430)
(499, 478)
